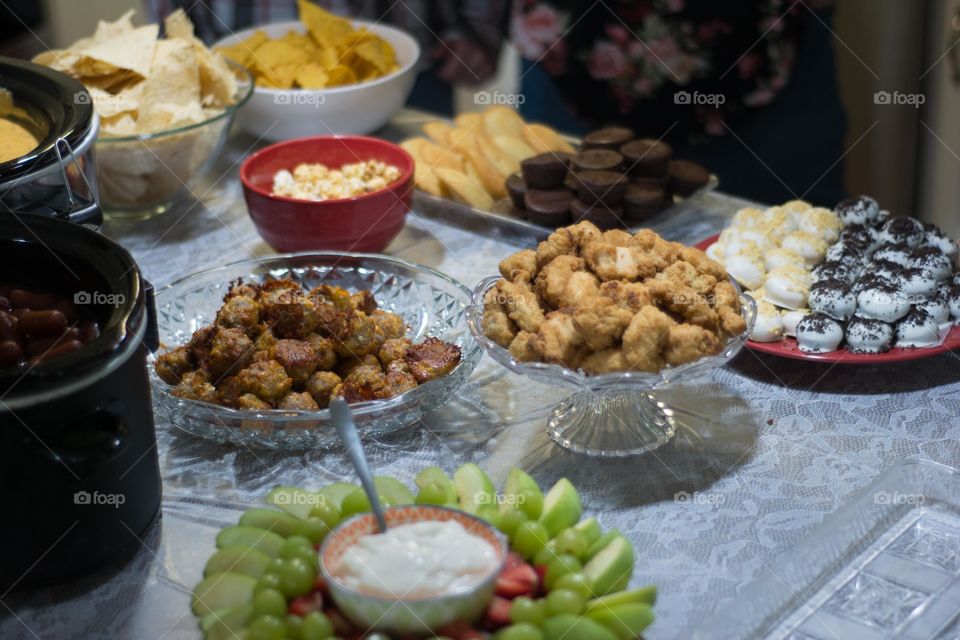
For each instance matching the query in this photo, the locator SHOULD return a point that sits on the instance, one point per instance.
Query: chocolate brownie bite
(659, 182)
(601, 215)
(544, 171)
(608, 138)
(516, 189)
(505, 206)
(597, 160)
(570, 182)
(646, 157)
(548, 208)
(686, 177)
(641, 202)
(601, 186)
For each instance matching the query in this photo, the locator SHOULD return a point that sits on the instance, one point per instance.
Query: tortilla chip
(325, 28)
(311, 76)
(133, 50)
(171, 95)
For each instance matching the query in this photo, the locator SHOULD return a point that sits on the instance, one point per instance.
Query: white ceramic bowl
(283, 114)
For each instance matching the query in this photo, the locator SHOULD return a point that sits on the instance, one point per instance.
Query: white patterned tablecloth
(766, 450)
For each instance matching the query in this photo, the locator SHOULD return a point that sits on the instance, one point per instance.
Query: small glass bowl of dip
(424, 612)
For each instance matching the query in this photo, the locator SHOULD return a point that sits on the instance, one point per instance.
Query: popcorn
(315, 181)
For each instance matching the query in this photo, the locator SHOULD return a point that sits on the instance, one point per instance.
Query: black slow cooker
(78, 460)
(57, 178)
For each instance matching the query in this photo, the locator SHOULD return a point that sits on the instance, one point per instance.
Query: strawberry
(460, 631)
(302, 605)
(517, 580)
(498, 613)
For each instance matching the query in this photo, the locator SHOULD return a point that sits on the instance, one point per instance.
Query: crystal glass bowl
(433, 305)
(613, 414)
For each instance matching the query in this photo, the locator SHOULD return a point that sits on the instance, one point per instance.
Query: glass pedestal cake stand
(613, 414)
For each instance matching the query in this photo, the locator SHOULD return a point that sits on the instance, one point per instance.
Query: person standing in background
(460, 40)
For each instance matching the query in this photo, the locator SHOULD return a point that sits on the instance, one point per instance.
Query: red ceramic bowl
(364, 223)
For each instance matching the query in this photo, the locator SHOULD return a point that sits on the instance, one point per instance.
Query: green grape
(267, 581)
(524, 609)
(522, 631)
(510, 520)
(327, 511)
(294, 627)
(563, 601)
(489, 513)
(530, 502)
(560, 566)
(576, 582)
(354, 503)
(313, 529)
(267, 628)
(298, 547)
(316, 626)
(276, 566)
(545, 556)
(269, 602)
(297, 577)
(432, 493)
(529, 538)
(571, 541)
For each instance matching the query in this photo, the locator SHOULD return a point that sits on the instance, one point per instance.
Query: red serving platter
(787, 348)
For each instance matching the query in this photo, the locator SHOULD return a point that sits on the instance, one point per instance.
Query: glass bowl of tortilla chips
(165, 107)
(322, 75)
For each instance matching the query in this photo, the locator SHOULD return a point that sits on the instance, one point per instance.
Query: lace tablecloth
(767, 447)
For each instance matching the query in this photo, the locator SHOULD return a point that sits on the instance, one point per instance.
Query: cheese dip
(15, 140)
(417, 560)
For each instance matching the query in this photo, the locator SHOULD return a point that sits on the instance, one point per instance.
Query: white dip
(417, 560)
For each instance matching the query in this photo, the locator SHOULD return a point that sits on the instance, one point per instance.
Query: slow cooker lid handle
(82, 210)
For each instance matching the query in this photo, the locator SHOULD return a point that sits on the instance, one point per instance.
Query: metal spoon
(347, 430)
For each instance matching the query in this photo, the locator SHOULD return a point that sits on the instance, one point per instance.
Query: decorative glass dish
(613, 414)
(886, 566)
(432, 304)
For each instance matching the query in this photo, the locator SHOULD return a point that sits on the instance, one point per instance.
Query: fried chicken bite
(619, 263)
(645, 339)
(391, 324)
(558, 243)
(240, 312)
(230, 351)
(685, 302)
(601, 322)
(724, 295)
(618, 238)
(606, 361)
(298, 401)
(701, 262)
(252, 403)
(195, 385)
(662, 251)
(320, 386)
(521, 304)
(731, 322)
(580, 287)
(362, 336)
(527, 347)
(432, 359)
(324, 350)
(393, 349)
(496, 324)
(297, 357)
(286, 309)
(582, 234)
(686, 274)
(627, 295)
(267, 380)
(519, 267)
(559, 339)
(552, 279)
(689, 342)
(172, 365)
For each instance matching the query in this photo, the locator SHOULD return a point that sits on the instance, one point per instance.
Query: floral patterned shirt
(684, 66)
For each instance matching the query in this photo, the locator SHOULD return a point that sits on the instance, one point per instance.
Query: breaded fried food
(527, 347)
(645, 339)
(172, 365)
(702, 263)
(230, 351)
(320, 386)
(610, 262)
(363, 384)
(628, 295)
(288, 312)
(606, 361)
(194, 385)
(363, 335)
(298, 401)
(391, 325)
(558, 243)
(520, 266)
(664, 251)
(601, 322)
(297, 357)
(618, 238)
(324, 350)
(496, 324)
(393, 349)
(686, 274)
(266, 380)
(552, 279)
(521, 304)
(348, 365)
(689, 342)
(560, 341)
(240, 312)
(579, 287)
(400, 381)
(685, 302)
(432, 359)
(253, 403)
